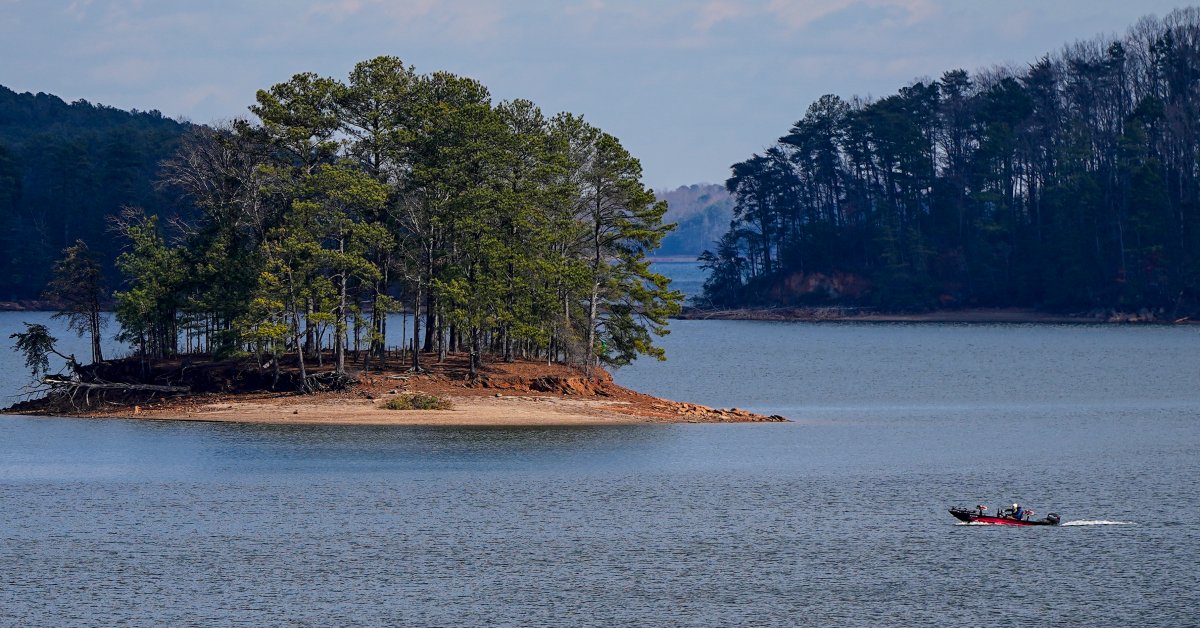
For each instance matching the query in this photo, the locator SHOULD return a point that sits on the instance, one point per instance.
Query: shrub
(417, 401)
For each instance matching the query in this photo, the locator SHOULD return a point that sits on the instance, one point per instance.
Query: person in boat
(1018, 512)
(980, 508)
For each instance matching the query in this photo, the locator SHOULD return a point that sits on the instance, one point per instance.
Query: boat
(976, 515)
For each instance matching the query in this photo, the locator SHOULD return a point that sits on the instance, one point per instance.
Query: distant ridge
(702, 212)
(64, 169)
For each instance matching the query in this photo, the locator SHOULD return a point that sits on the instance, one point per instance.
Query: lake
(836, 519)
(686, 277)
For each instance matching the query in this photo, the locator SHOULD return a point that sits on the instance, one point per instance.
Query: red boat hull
(973, 516)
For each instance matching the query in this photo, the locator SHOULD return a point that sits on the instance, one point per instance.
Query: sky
(689, 87)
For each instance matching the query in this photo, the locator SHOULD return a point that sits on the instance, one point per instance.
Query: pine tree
(78, 288)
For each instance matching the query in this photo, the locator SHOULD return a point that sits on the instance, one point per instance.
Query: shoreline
(522, 394)
(968, 315)
(853, 314)
(503, 412)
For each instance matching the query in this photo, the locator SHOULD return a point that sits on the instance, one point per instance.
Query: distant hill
(702, 211)
(64, 169)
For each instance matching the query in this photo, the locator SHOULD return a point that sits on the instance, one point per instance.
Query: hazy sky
(688, 87)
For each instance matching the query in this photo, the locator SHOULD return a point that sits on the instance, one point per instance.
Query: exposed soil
(517, 393)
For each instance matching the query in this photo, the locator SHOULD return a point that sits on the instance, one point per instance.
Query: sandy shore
(522, 393)
(338, 410)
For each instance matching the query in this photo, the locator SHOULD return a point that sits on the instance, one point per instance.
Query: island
(393, 247)
(518, 393)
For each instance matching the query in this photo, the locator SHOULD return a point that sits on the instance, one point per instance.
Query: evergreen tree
(1069, 184)
(154, 275)
(507, 233)
(78, 288)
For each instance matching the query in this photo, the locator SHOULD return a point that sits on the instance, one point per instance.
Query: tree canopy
(1071, 182)
(503, 231)
(64, 170)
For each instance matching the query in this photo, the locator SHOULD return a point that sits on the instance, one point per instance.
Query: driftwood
(66, 390)
(327, 381)
(59, 381)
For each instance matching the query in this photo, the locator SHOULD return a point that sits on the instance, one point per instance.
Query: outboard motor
(1052, 518)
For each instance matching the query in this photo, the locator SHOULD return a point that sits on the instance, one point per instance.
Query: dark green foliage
(64, 170)
(78, 288)
(154, 275)
(506, 233)
(1072, 183)
(37, 345)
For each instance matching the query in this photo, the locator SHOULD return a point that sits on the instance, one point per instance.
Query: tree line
(499, 229)
(1069, 183)
(64, 168)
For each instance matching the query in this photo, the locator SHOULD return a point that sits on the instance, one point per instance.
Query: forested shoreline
(64, 169)
(1068, 184)
(497, 229)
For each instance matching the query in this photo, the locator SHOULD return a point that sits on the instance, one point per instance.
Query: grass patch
(417, 401)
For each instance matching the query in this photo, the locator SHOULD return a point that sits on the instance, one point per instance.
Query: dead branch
(58, 381)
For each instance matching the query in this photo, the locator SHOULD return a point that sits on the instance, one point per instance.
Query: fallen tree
(62, 391)
(58, 381)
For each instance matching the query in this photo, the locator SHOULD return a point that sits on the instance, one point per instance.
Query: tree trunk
(94, 322)
(304, 374)
(474, 353)
(57, 380)
(310, 334)
(430, 322)
(593, 301)
(339, 330)
(381, 336)
(339, 321)
(593, 310)
(416, 328)
(296, 328)
(441, 338)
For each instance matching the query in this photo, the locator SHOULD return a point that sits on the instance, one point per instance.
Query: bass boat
(975, 515)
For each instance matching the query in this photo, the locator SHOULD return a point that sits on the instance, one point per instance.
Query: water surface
(838, 518)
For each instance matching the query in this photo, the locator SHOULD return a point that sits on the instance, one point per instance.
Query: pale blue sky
(689, 87)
